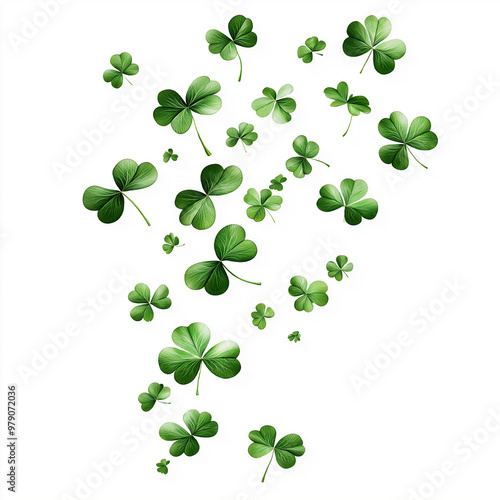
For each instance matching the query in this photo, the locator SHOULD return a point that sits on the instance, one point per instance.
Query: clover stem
(128, 80)
(318, 54)
(243, 144)
(350, 121)
(201, 140)
(270, 215)
(164, 402)
(416, 158)
(272, 456)
(198, 382)
(366, 61)
(241, 279)
(321, 162)
(241, 66)
(140, 211)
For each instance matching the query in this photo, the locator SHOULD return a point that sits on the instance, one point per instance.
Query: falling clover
(197, 207)
(200, 425)
(294, 337)
(307, 150)
(169, 155)
(123, 64)
(177, 112)
(230, 245)
(244, 133)
(286, 449)
(356, 209)
(362, 40)
(128, 176)
(142, 295)
(338, 269)
(419, 136)
(171, 242)
(162, 466)
(259, 205)
(305, 52)
(355, 104)
(277, 183)
(187, 362)
(260, 314)
(240, 29)
(156, 392)
(315, 293)
(279, 104)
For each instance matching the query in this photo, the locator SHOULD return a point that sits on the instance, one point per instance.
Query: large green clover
(124, 66)
(261, 204)
(307, 150)
(279, 104)
(315, 293)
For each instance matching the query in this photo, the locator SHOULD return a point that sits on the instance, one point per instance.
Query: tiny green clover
(156, 392)
(305, 52)
(307, 150)
(419, 136)
(260, 314)
(340, 268)
(244, 133)
(162, 466)
(277, 183)
(260, 205)
(142, 295)
(171, 241)
(123, 64)
(169, 154)
(315, 293)
(279, 104)
(294, 337)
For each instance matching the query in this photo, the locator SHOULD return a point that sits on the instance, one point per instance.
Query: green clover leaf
(419, 136)
(294, 337)
(142, 295)
(260, 314)
(162, 466)
(307, 150)
(277, 183)
(305, 52)
(356, 209)
(171, 241)
(169, 154)
(230, 245)
(259, 205)
(186, 363)
(285, 450)
(156, 392)
(177, 112)
(128, 176)
(338, 269)
(200, 425)
(280, 105)
(244, 133)
(123, 64)
(315, 293)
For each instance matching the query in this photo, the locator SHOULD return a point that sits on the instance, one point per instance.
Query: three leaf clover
(356, 209)
(187, 362)
(260, 314)
(395, 128)
(355, 104)
(169, 154)
(315, 293)
(294, 337)
(279, 104)
(123, 64)
(307, 150)
(162, 466)
(171, 241)
(230, 245)
(142, 295)
(338, 269)
(177, 112)
(305, 52)
(259, 205)
(244, 133)
(240, 29)
(277, 183)
(200, 425)
(156, 392)
(285, 450)
(128, 176)
(197, 207)
(362, 40)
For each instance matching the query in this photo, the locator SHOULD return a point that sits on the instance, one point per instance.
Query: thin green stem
(366, 61)
(272, 456)
(416, 158)
(128, 80)
(350, 121)
(140, 211)
(318, 54)
(241, 279)
(241, 66)
(198, 382)
(270, 215)
(243, 144)
(321, 162)
(164, 402)
(202, 143)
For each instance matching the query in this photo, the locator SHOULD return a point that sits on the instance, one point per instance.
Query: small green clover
(244, 133)
(279, 104)
(123, 64)
(305, 52)
(260, 205)
(142, 295)
(156, 392)
(338, 269)
(294, 337)
(260, 314)
(315, 293)
(307, 150)
(355, 104)
(277, 183)
(171, 241)
(169, 154)
(162, 466)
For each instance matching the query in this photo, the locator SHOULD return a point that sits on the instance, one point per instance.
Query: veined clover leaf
(142, 295)
(200, 425)
(355, 104)
(156, 392)
(277, 183)
(279, 104)
(294, 337)
(169, 154)
(419, 136)
(356, 209)
(260, 314)
(197, 207)
(338, 269)
(315, 293)
(240, 29)
(123, 64)
(162, 466)
(259, 205)
(307, 150)
(171, 241)
(128, 176)
(362, 40)
(187, 362)
(230, 245)
(177, 112)
(305, 52)
(244, 133)
(286, 449)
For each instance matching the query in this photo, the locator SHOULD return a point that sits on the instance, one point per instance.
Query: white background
(79, 408)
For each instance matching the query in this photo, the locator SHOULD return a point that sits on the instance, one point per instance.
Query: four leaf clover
(169, 154)
(294, 337)
(123, 64)
(315, 293)
(277, 183)
(244, 133)
(307, 150)
(305, 52)
(142, 295)
(156, 392)
(162, 466)
(171, 241)
(259, 205)
(260, 314)
(279, 104)
(338, 269)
